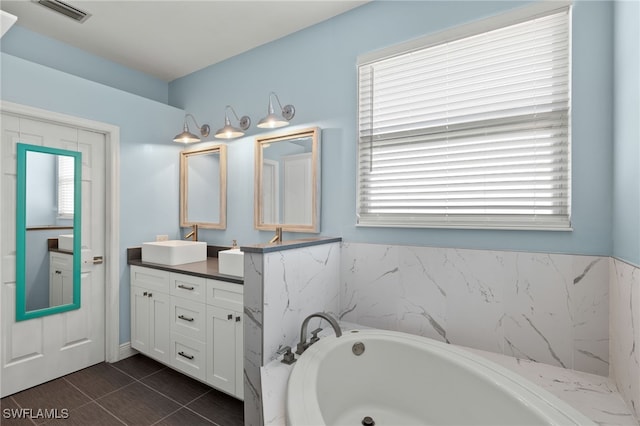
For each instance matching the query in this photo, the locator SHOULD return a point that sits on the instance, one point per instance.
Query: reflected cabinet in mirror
(287, 181)
(203, 187)
(47, 231)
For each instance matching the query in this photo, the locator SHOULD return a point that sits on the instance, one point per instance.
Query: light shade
(273, 120)
(232, 132)
(186, 136)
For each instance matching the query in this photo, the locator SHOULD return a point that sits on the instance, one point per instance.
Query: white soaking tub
(402, 379)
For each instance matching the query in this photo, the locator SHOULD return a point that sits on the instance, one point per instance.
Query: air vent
(65, 9)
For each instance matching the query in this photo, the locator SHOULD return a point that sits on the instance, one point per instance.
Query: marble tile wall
(624, 327)
(281, 289)
(543, 307)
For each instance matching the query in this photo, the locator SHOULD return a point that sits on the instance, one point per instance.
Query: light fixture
(274, 120)
(229, 131)
(186, 136)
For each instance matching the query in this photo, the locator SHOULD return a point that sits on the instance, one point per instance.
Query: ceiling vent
(65, 9)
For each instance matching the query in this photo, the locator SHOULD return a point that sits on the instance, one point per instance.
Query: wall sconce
(274, 120)
(186, 136)
(229, 131)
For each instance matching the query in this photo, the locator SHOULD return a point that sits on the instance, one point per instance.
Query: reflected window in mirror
(287, 181)
(47, 231)
(203, 187)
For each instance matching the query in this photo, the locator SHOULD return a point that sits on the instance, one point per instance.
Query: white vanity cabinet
(150, 312)
(60, 278)
(225, 333)
(196, 329)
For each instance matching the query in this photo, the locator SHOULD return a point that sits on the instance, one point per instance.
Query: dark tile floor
(134, 391)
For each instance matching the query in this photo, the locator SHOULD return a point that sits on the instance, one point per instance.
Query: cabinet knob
(150, 294)
(145, 293)
(229, 316)
(238, 319)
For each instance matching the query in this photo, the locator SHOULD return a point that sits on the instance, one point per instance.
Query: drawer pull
(229, 316)
(185, 287)
(182, 317)
(182, 354)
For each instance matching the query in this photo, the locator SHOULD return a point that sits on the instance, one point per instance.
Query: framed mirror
(203, 187)
(287, 181)
(48, 243)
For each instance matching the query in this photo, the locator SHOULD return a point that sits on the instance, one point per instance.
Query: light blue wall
(315, 69)
(149, 160)
(626, 172)
(26, 44)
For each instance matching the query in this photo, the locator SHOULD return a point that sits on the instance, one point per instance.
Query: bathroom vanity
(190, 317)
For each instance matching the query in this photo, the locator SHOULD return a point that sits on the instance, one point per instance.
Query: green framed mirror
(48, 241)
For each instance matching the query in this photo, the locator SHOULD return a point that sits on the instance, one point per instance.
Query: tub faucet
(193, 234)
(303, 345)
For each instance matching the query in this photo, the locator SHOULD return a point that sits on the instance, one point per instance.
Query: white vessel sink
(231, 262)
(65, 242)
(174, 252)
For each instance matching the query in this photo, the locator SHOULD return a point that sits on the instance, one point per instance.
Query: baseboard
(126, 351)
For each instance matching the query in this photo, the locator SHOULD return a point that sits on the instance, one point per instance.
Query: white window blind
(472, 132)
(65, 186)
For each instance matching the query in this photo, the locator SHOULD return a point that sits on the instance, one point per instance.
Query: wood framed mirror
(203, 187)
(287, 181)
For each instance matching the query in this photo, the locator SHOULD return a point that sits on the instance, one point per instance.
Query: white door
(41, 349)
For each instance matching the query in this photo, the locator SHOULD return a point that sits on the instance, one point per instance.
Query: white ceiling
(170, 39)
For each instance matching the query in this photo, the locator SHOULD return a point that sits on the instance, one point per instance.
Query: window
(65, 186)
(469, 130)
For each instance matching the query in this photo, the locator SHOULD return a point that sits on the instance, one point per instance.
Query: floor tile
(89, 414)
(138, 366)
(184, 417)
(176, 386)
(99, 380)
(220, 408)
(136, 404)
(56, 394)
(15, 416)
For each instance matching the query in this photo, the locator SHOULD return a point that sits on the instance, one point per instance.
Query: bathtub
(377, 377)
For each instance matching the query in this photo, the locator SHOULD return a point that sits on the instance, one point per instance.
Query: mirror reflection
(287, 187)
(203, 187)
(47, 230)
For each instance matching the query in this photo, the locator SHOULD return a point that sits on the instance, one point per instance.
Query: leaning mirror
(47, 231)
(287, 181)
(203, 187)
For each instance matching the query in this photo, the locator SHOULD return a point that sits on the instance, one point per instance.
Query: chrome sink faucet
(193, 234)
(303, 345)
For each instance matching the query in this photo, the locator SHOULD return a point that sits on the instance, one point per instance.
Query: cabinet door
(140, 319)
(222, 357)
(150, 319)
(160, 335)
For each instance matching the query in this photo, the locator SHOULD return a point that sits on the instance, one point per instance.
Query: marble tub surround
(625, 331)
(593, 395)
(283, 284)
(548, 308)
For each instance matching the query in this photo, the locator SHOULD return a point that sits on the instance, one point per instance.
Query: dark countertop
(290, 244)
(204, 269)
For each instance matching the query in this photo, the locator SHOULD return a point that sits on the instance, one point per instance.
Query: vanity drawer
(189, 287)
(225, 295)
(153, 279)
(188, 356)
(188, 318)
(60, 261)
